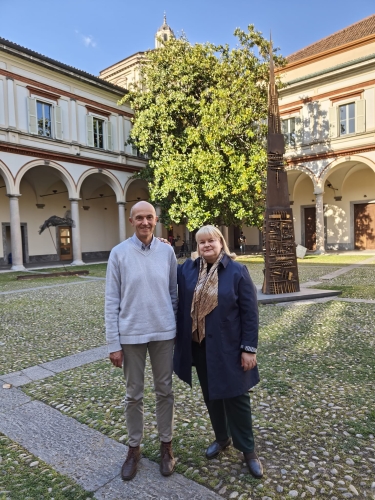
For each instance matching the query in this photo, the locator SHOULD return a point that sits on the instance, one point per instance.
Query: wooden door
(364, 226)
(310, 228)
(66, 249)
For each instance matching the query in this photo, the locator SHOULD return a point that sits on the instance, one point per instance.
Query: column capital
(75, 199)
(121, 203)
(318, 191)
(14, 195)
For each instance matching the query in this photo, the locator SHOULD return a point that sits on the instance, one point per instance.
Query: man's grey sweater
(141, 294)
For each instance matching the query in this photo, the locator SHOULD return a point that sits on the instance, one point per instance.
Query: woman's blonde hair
(215, 233)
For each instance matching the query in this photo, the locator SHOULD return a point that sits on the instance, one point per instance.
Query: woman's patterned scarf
(205, 297)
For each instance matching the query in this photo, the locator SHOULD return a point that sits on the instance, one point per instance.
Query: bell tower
(164, 33)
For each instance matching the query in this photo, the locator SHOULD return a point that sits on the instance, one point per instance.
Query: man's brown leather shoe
(167, 461)
(129, 467)
(254, 465)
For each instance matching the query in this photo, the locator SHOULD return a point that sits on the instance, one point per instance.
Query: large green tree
(200, 115)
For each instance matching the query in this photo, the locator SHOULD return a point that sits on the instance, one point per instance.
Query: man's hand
(117, 358)
(248, 361)
(163, 240)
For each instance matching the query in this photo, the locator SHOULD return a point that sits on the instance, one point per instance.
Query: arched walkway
(349, 187)
(301, 194)
(102, 214)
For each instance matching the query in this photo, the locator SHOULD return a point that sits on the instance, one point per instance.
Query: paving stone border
(347, 269)
(20, 290)
(50, 368)
(85, 455)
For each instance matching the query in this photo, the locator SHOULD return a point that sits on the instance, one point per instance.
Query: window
(44, 113)
(288, 128)
(98, 133)
(45, 119)
(347, 118)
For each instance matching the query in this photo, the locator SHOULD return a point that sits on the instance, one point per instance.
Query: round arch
(302, 170)
(61, 172)
(8, 178)
(131, 181)
(337, 163)
(109, 179)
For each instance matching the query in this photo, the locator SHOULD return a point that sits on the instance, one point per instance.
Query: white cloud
(88, 40)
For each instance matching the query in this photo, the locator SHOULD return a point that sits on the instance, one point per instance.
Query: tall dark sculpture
(281, 271)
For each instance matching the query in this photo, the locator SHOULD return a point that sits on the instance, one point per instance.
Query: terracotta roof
(355, 31)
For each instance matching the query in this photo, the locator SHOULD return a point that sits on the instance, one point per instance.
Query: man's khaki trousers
(161, 356)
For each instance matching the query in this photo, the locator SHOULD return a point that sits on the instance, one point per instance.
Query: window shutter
(332, 116)
(109, 136)
(58, 122)
(90, 130)
(33, 119)
(360, 118)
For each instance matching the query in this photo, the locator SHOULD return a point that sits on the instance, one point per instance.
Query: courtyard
(313, 412)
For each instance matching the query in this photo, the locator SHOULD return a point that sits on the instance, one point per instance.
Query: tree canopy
(200, 115)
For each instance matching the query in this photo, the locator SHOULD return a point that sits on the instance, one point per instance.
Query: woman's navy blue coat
(232, 325)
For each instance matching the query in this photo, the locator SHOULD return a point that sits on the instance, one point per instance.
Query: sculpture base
(303, 294)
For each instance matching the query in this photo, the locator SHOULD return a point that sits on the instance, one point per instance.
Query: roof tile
(355, 31)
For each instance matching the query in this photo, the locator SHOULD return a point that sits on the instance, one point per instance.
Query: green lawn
(313, 413)
(24, 476)
(306, 273)
(325, 259)
(358, 283)
(45, 324)
(8, 280)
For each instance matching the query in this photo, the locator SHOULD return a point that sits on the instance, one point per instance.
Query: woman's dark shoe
(215, 448)
(254, 465)
(129, 468)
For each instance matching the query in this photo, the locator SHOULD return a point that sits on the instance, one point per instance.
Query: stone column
(319, 216)
(159, 228)
(224, 230)
(121, 221)
(15, 233)
(76, 233)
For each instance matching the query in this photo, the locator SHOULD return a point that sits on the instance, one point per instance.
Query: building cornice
(295, 109)
(336, 93)
(66, 157)
(30, 55)
(295, 160)
(332, 69)
(328, 53)
(42, 86)
(140, 55)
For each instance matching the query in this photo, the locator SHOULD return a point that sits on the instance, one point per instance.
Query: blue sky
(93, 34)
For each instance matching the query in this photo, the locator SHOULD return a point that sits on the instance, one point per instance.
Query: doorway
(65, 239)
(7, 242)
(310, 228)
(364, 226)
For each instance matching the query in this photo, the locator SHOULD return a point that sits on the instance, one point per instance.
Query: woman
(217, 325)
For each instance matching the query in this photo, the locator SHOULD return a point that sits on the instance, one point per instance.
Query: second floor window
(98, 133)
(347, 119)
(288, 128)
(44, 115)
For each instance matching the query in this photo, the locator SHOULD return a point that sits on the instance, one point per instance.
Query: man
(140, 308)
(242, 242)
